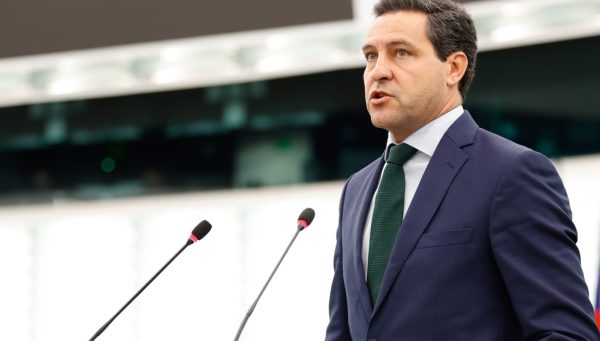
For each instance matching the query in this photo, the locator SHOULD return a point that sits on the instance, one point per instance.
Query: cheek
(367, 85)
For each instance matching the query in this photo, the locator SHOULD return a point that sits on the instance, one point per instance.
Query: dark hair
(449, 27)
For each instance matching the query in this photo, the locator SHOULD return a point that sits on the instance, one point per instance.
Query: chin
(379, 122)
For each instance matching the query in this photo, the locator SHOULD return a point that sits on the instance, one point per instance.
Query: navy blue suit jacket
(486, 251)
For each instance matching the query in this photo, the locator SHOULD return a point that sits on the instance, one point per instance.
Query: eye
(370, 56)
(402, 53)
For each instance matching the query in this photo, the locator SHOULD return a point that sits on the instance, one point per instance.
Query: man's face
(405, 82)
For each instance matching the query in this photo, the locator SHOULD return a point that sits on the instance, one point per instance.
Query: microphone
(199, 232)
(306, 217)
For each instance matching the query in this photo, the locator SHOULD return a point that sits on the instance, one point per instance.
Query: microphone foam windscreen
(201, 229)
(307, 215)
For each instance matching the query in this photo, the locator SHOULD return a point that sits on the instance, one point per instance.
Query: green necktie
(387, 216)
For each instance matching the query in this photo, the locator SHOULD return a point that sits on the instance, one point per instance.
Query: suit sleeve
(338, 329)
(534, 243)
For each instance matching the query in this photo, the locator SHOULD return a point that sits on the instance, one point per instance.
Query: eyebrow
(388, 44)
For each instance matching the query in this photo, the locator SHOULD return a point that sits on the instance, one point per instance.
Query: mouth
(378, 96)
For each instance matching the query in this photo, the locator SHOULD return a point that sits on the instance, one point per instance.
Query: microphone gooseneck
(305, 218)
(198, 233)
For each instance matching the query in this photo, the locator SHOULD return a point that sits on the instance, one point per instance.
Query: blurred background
(124, 123)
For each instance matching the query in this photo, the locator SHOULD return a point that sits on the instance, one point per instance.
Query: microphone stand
(199, 232)
(101, 330)
(251, 310)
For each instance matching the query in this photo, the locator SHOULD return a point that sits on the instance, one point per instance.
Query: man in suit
(479, 245)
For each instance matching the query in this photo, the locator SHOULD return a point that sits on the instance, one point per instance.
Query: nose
(381, 70)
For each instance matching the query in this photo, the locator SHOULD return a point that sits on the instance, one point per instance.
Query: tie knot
(400, 153)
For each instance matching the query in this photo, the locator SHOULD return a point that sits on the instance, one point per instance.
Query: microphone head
(305, 218)
(200, 231)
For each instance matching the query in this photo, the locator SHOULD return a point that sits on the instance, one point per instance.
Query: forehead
(410, 26)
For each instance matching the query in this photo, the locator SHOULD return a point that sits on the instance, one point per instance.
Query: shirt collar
(428, 137)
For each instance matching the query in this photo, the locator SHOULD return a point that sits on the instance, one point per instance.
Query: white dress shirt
(425, 141)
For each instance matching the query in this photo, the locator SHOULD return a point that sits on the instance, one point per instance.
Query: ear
(457, 66)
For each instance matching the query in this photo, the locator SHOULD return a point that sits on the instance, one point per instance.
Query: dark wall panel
(41, 26)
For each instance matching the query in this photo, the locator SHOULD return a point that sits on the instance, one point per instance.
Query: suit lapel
(363, 201)
(445, 163)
